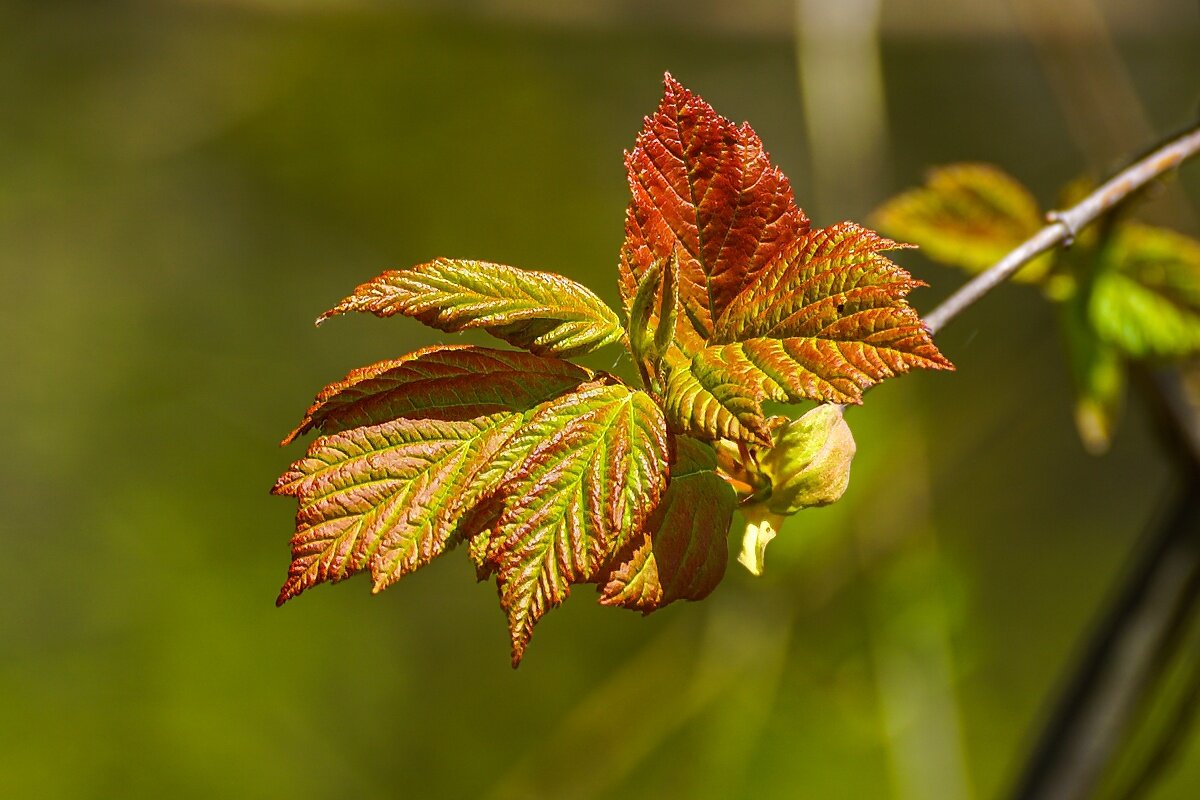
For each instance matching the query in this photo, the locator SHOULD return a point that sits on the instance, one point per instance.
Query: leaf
(651, 333)
(1146, 296)
(703, 187)
(1098, 373)
(450, 381)
(824, 321)
(414, 443)
(544, 313)
(969, 216)
(595, 468)
(769, 308)
(681, 553)
(385, 496)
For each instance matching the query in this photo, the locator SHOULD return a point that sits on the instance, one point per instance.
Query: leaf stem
(1133, 641)
(1064, 225)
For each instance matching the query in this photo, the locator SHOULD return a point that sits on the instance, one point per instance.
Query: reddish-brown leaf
(703, 188)
(682, 550)
(447, 381)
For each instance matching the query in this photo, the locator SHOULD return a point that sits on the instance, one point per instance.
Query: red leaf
(771, 309)
(703, 187)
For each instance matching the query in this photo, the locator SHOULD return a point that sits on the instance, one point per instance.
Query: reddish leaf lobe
(705, 188)
(446, 381)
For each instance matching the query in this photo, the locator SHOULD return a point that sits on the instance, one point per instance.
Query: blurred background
(184, 186)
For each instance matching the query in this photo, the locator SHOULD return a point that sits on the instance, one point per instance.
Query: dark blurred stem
(1135, 640)
(1141, 631)
(1065, 224)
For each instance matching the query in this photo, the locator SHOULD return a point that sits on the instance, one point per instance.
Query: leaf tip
(286, 592)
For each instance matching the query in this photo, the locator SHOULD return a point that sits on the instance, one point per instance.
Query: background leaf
(967, 215)
(1146, 295)
(1098, 373)
(539, 311)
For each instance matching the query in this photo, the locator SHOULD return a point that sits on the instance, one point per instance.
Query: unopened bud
(809, 464)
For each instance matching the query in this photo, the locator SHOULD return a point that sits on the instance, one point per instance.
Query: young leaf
(769, 308)
(594, 469)
(825, 320)
(450, 381)
(411, 445)
(1146, 296)
(652, 333)
(682, 551)
(969, 216)
(385, 496)
(703, 187)
(544, 313)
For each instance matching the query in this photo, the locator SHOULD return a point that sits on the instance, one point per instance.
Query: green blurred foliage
(188, 185)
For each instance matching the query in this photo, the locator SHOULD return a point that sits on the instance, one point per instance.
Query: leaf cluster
(553, 475)
(1125, 291)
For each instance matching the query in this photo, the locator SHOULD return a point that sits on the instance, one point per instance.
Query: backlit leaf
(704, 187)
(385, 497)
(539, 311)
(449, 381)
(594, 469)
(682, 552)
(1098, 373)
(969, 216)
(1146, 296)
(824, 321)
(411, 445)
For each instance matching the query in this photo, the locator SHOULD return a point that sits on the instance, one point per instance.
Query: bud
(809, 464)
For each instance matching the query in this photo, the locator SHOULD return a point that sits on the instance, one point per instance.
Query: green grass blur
(184, 187)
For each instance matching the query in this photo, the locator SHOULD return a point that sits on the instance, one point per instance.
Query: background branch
(1064, 225)
(1141, 631)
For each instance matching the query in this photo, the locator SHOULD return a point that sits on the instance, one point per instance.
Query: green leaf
(594, 469)
(544, 313)
(411, 446)
(824, 321)
(682, 551)
(651, 331)
(1098, 374)
(1146, 296)
(969, 216)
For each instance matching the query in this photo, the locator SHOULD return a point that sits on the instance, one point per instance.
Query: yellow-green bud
(809, 464)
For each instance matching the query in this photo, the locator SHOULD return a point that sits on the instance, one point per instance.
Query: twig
(1064, 225)
(1138, 635)
(1117, 670)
